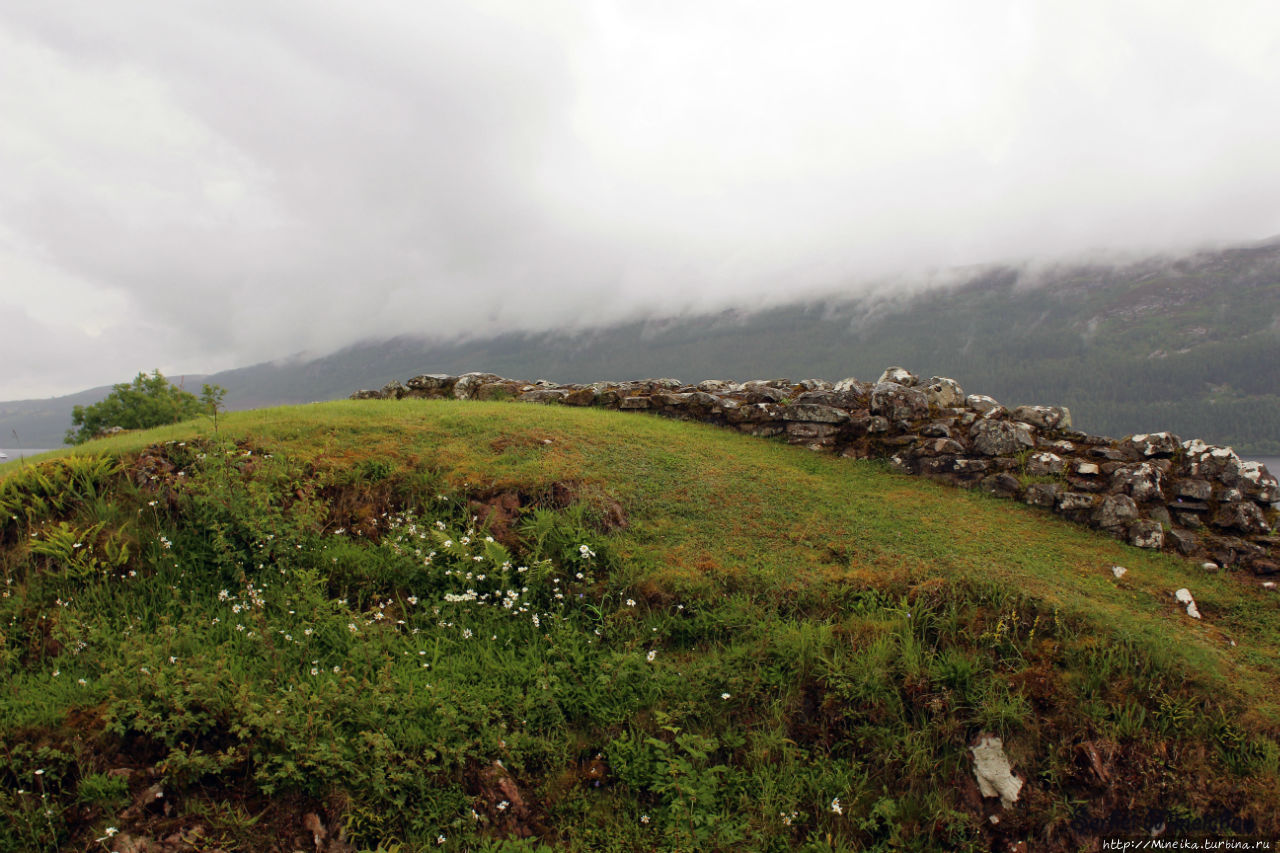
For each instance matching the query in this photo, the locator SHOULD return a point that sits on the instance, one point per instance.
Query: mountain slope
(1190, 345)
(679, 638)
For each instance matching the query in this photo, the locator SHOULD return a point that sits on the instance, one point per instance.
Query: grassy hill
(455, 625)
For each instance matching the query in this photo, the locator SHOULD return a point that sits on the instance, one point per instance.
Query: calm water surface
(20, 454)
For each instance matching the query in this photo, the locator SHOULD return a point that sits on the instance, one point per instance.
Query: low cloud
(196, 188)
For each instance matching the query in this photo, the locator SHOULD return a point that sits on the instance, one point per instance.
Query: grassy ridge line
(701, 495)
(809, 590)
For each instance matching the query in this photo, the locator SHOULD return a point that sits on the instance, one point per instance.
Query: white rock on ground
(1118, 571)
(991, 769)
(1184, 597)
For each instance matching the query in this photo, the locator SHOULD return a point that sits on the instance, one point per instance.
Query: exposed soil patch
(500, 511)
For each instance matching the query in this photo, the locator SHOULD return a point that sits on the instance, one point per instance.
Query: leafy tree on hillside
(146, 402)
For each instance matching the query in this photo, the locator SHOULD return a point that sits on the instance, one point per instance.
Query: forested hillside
(1191, 345)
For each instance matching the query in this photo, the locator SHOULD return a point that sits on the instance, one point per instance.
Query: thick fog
(199, 186)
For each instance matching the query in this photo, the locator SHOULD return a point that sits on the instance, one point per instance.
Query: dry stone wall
(1154, 490)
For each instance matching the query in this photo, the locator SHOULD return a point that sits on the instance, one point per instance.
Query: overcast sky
(202, 185)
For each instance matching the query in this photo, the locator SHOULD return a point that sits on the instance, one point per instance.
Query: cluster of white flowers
(478, 571)
(250, 596)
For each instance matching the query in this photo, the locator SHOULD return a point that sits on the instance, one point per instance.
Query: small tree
(211, 398)
(146, 402)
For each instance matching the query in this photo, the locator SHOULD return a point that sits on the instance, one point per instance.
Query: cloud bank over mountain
(195, 187)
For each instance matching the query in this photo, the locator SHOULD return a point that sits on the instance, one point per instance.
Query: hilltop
(439, 624)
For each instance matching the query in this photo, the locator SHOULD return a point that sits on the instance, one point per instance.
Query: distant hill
(1190, 344)
(42, 423)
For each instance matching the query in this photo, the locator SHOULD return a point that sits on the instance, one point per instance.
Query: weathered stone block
(1142, 482)
(1183, 541)
(1147, 445)
(1145, 533)
(1041, 494)
(1075, 505)
(982, 404)
(813, 413)
(1045, 464)
(1001, 485)
(899, 376)
(1115, 511)
(1213, 462)
(937, 429)
(1244, 516)
(501, 390)
(763, 430)
(897, 402)
(940, 446)
(543, 395)
(668, 399)
(1000, 438)
(1259, 483)
(465, 386)
(582, 397)
(804, 431)
(429, 382)
(943, 392)
(393, 390)
(851, 385)
(1044, 417)
(1196, 490)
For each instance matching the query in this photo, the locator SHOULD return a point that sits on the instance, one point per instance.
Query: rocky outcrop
(1152, 490)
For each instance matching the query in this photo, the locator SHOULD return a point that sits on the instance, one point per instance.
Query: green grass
(752, 632)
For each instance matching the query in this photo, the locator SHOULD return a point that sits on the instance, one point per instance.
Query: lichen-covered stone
(544, 395)
(465, 387)
(1045, 464)
(1146, 533)
(1044, 417)
(1142, 482)
(1000, 438)
(981, 403)
(944, 392)
(1041, 494)
(1244, 516)
(393, 390)
(582, 396)
(899, 376)
(1154, 444)
(1115, 511)
(898, 402)
(813, 413)
(1070, 503)
(1259, 483)
(1001, 485)
(1193, 489)
(431, 382)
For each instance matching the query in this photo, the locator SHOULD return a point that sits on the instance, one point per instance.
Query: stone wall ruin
(1152, 490)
